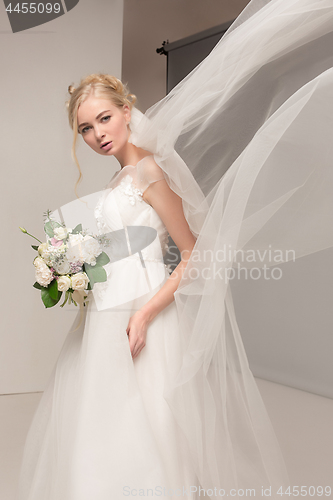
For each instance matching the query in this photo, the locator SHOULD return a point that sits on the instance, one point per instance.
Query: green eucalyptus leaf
(102, 259)
(53, 289)
(77, 229)
(35, 247)
(49, 229)
(50, 226)
(38, 286)
(96, 274)
(47, 299)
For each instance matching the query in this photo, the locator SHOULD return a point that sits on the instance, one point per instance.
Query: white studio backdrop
(37, 171)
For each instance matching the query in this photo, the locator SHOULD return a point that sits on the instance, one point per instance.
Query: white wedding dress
(103, 428)
(251, 160)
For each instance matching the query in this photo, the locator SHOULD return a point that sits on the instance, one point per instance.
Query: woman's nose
(99, 132)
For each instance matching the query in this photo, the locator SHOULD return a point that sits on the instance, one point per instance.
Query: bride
(152, 394)
(100, 109)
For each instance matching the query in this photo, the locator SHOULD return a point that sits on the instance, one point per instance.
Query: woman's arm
(168, 205)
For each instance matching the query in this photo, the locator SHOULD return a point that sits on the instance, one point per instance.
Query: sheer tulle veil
(246, 141)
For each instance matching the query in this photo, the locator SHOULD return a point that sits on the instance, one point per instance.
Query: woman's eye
(84, 130)
(106, 118)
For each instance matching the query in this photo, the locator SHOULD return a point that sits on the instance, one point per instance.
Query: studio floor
(302, 422)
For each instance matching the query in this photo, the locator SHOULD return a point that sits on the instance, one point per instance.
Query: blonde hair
(103, 87)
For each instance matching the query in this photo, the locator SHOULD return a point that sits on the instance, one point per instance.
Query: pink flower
(56, 243)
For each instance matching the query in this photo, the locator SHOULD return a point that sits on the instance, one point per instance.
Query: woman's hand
(137, 332)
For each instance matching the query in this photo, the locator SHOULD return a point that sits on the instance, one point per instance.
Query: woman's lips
(107, 146)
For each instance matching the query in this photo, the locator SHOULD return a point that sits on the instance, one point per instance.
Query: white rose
(80, 281)
(64, 282)
(39, 262)
(45, 251)
(43, 275)
(42, 248)
(60, 233)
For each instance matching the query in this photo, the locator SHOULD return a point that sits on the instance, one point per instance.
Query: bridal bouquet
(70, 261)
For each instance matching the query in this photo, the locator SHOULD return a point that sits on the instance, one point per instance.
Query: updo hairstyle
(101, 86)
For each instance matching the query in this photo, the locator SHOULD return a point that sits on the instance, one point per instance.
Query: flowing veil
(246, 141)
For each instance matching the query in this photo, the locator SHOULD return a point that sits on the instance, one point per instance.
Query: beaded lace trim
(100, 222)
(127, 187)
(134, 194)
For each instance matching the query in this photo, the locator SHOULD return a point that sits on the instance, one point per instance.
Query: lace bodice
(122, 204)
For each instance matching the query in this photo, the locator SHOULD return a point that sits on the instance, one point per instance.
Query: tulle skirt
(103, 429)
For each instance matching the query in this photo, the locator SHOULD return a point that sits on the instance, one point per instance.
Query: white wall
(37, 171)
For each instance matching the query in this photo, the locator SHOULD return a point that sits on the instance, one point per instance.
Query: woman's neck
(131, 155)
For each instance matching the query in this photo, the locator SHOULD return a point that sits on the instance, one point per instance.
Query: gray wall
(148, 22)
(37, 66)
(288, 340)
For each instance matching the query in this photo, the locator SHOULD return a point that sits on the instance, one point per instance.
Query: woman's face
(103, 125)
